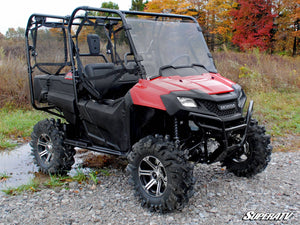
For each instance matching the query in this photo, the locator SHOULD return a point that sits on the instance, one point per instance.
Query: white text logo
(251, 215)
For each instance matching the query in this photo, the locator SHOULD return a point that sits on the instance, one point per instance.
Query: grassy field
(16, 125)
(272, 81)
(280, 112)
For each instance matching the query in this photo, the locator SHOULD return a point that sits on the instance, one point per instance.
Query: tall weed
(260, 72)
(13, 73)
(13, 82)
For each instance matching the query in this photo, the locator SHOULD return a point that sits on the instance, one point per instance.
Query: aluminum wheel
(45, 148)
(160, 173)
(50, 154)
(153, 176)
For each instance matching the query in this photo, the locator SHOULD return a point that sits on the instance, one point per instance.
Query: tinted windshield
(165, 43)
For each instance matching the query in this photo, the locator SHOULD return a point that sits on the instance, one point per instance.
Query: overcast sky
(15, 13)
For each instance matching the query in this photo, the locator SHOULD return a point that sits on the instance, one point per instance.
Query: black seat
(101, 75)
(109, 80)
(106, 77)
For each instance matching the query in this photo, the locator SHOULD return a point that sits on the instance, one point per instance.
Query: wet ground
(18, 165)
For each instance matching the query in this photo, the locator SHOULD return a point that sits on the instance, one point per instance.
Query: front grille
(213, 107)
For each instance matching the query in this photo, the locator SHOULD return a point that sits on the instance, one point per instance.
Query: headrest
(94, 44)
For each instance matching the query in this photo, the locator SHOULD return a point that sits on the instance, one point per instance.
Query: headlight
(241, 95)
(242, 99)
(187, 102)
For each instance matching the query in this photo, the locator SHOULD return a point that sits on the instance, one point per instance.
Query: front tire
(50, 154)
(255, 155)
(160, 174)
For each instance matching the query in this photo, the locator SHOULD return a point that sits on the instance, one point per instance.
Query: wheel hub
(45, 148)
(152, 175)
(49, 147)
(243, 156)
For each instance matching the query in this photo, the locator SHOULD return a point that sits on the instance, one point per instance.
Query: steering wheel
(180, 57)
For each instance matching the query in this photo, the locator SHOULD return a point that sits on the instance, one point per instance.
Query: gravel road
(220, 198)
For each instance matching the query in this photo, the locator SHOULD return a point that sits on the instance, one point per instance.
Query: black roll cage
(36, 21)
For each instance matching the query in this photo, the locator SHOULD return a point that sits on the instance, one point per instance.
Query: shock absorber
(176, 133)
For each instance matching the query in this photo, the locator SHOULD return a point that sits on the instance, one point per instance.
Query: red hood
(148, 92)
(207, 83)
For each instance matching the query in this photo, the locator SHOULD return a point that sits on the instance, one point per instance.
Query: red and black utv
(139, 85)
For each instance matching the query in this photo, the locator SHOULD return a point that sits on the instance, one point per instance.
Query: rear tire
(50, 154)
(161, 175)
(255, 155)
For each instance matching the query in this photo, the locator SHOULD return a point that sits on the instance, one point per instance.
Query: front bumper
(224, 128)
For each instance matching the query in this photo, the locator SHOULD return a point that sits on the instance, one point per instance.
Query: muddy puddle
(18, 165)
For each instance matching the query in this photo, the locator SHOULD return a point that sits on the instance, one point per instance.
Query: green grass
(79, 176)
(17, 124)
(279, 111)
(36, 185)
(57, 181)
(32, 186)
(5, 143)
(104, 172)
(4, 176)
(93, 177)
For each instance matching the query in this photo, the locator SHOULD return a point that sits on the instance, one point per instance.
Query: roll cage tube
(122, 18)
(73, 57)
(31, 29)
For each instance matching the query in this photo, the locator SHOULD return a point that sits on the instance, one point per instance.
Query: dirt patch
(96, 160)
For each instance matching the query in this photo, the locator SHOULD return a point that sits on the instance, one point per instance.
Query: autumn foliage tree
(272, 25)
(287, 36)
(253, 24)
(183, 7)
(18, 34)
(219, 20)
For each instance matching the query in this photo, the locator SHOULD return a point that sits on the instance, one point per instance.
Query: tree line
(269, 25)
